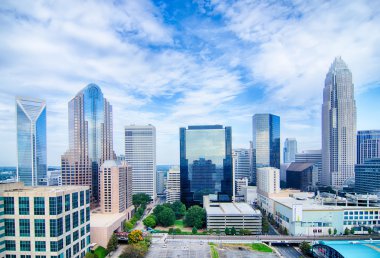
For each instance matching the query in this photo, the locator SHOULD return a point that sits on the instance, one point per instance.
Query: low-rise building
(222, 215)
(346, 249)
(250, 194)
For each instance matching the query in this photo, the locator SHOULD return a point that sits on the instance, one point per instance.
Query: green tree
(217, 231)
(241, 232)
(179, 209)
(233, 231)
(140, 199)
(112, 243)
(91, 255)
(194, 230)
(329, 231)
(335, 231)
(177, 231)
(369, 230)
(195, 217)
(227, 231)
(265, 225)
(150, 221)
(133, 251)
(157, 210)
(135, 236)
(210, 231)
(285, 231)
(128, 226)
(166, 217)
(352, 231)
(171, 230)
(346, 231)
(305, 248)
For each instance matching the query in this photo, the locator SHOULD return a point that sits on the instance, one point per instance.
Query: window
(75, 219)
(25, 245)
(40, 256)
(82, 216)
(39, 227)
(10, 245)
(60, 244)
(67, 202)
(9, 206)
(75, 235)
(76, 249)
(88, 228)
(55, 205)
(10, 256)
(68, 253)
(40, 246)
(25, 256)
(68, 240)
(81, 198)
(87, 196)
(39, 206)
(88, 240)
(53, 246)
(23, 205)
(82, 244)
(10, 228)
(75, 200)
(88, 214)
(67, 223)
(56, 227)
(82, 231)
(24, 227)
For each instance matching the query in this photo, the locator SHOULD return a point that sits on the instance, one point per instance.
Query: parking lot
(185, 248)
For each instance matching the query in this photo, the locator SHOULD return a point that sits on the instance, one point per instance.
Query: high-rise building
(90, 139)
(312, 156)
(368, 145)
(338, 125)
(140, 153)
(161, 181)
(367, 176)
(239, 184)
(302, 176)
(268, 180)
(290, 150)
(44, 221)
(266, 141)
(114, 185)
(206, 163)
(241, 163)
(173, 192)
(31, 141)
(252, 173)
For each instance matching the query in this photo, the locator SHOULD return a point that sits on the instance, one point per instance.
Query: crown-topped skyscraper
(338, 125)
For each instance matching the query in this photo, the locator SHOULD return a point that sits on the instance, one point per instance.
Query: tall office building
(90, 139)
(241, 163)
(313, 156)
(368, 145)
(173, 192)
(290, 150)
(338, 125)
(367, 176)
(266, 141)
(205, 163)
(31, 141)
(140, 153)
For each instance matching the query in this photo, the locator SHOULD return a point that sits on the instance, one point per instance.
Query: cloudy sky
(179, 62)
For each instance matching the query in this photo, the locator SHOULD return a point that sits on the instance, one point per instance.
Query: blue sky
(175, 63)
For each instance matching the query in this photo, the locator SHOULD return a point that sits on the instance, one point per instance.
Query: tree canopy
(150, 221)
(166, 217)
(195, 217)
(140, 199)
(179, 209)
(112, 243)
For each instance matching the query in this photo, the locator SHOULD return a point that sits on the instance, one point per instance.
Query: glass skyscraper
(90, 139)
(205, 163)
(290, 150)
(368, 145)
(367, 176)
(266, 141)
(338, 126)
(31, 141)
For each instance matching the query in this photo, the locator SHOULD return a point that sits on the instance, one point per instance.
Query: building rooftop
(104, 220)
(20, 188)
(299, 166)
(231, 209)
(348, 249)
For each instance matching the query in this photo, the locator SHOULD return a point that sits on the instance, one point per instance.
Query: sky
(176, 63)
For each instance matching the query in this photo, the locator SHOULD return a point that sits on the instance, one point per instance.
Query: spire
(338, 64)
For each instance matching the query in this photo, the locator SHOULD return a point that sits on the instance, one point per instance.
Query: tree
(171, 231)
(157, 210)
(179, 209)
(329, 231)
(177, 231)
(166, 217)
(265, 225)
(140, 199)
(285, 231)
(128, 226)
(133, 251)
(369, 230)
(335, 231)
(233, 231)
(305, 248)
(227, 231)
(217, 231)
(150, 221)
(112, 243)
(352, 231)
(135, 236)
(210, 231)
(195, 217)
(346, 231)
(194, 230)
(91, 255)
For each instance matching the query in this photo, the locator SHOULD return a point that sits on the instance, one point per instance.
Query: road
(140, 224)
(288, 251)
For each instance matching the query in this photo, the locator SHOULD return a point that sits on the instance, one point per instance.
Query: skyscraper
(338, 125)
(31, 141)
(367, 176)
(173, 192)
(241, 163)
(205, 163)
(368, 145)
(90, 139)
(266, 141)
(140, 153)
(313, 156)
(290, 150)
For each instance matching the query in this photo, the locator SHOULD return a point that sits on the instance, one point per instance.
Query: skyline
(174, 65)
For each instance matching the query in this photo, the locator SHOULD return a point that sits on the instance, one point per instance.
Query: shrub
(305, 247)
(194, 230)
(112, 243)
(135, 236)
(150, 221)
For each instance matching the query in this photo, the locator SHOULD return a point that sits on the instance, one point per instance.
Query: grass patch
(260, 248)
(101, 252)
(179, 223)
(214, 252)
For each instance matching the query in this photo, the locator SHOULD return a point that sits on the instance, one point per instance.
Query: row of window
(55, 204)
(361, 217)
(361, 212)
(369, 222)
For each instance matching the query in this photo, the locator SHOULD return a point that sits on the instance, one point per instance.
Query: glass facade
(31, 141)
(23, 205)
(367, 176)
(39, 206)
(205, 163)
(368, 145)
(266, 141)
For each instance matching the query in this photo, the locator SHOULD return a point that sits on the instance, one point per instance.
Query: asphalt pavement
(288, 251)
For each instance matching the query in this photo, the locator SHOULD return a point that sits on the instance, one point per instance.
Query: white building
(250, 194)
(241, 163)
(54, 178)
(290, 150)
(268, 180)
(338, 125)
(173, 192)
(239, 184)
(44, 221)
(140, 153)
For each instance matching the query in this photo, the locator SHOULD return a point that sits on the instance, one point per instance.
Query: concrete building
(241, 163)
(368, 145)
(45, 221)
(367, 176)
(31, 141)
(239, 184)
(250, 194)
(90, 139)
(231, 214)
(312, 156)
(268, 180)
(302, 176)
(140, 153)
(54, 178)
(161, 178)
(338, 126)
(173, 192)
(290, 150)
(346, 249)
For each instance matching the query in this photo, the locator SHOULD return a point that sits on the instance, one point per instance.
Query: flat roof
(24, 189)
(103, 220)
(361, 248)
(230, 208)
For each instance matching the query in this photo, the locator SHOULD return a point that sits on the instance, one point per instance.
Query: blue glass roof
(354, 249)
